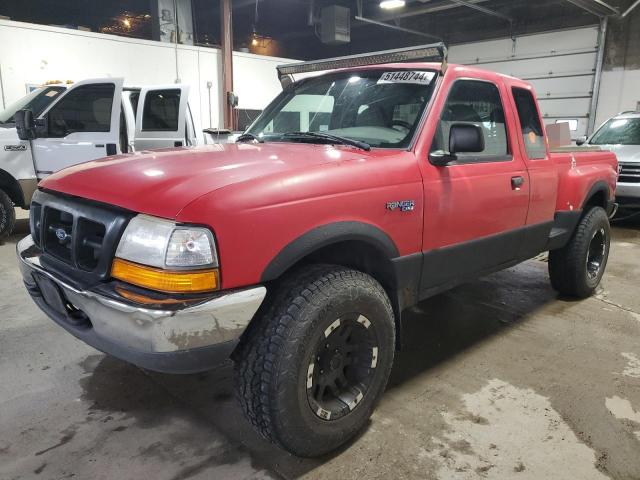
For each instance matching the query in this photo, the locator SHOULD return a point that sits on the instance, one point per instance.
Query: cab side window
(532, 133)
(478, 103)
(84, 109)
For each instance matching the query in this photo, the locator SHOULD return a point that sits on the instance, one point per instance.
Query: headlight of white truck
(158, 254)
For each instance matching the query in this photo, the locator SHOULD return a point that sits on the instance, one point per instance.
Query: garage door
(560, 65)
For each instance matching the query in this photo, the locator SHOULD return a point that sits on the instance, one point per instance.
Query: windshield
(36, 101)
(381, 108)
(618, 131)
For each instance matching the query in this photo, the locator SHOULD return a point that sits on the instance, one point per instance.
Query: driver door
(161, 117)
(82, 125)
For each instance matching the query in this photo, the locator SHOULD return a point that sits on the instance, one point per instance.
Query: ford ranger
(355, 194)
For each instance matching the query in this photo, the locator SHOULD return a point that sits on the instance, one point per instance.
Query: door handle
(517, 182)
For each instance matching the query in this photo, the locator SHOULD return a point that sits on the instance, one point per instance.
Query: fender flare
(597, 187)
(323, 236)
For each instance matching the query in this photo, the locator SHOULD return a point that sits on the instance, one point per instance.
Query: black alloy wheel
(341, 369)
(596, 253)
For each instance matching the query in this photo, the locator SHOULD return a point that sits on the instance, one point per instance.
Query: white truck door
(161, 117)
(82, 125)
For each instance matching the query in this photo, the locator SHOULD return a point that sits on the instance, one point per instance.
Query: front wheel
(7, 216)
(577, 268)
(314, 363)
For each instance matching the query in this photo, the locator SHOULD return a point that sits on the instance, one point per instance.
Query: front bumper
(184, 340)
(628, 195)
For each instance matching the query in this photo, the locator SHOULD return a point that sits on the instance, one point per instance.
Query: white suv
(621, 135)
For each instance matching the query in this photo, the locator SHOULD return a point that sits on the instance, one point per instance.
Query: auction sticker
(407, 76)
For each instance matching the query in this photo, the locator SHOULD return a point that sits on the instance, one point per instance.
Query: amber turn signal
(168, 281)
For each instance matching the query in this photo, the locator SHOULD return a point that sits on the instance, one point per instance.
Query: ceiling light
(391, 4)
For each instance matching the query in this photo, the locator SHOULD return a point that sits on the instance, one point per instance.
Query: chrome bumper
(628, 195)
(628, 190)
(190, 339)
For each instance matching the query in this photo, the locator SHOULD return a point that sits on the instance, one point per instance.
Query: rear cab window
(531, 128)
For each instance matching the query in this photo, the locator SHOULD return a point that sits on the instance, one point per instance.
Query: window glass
(246, 117)
(36, 101)
(381, 108)
(532, 133)
(161, 108)
(478, 103)
(618, 131)
(303, 113)
(84, 109)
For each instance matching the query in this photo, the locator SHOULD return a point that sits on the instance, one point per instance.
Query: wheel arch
(327, 238)
(12, 188)
(356, 245)
(598, 196)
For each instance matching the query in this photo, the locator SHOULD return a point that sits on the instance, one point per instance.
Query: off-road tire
(271, 362)
(7, 216)
(568, 265)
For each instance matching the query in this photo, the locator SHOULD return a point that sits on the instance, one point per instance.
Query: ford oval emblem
(61, 234)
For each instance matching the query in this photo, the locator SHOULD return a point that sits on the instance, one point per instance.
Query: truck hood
(625, 153)
(163, 182)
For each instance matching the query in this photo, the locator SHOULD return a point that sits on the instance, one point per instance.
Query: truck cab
(89, 120)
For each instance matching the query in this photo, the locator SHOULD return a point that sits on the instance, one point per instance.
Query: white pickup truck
(89, 120)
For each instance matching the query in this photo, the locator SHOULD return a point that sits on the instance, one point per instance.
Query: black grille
(58, 234)
(78, 238)
(629, 173)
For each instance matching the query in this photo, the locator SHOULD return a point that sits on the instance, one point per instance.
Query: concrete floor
(499, 379)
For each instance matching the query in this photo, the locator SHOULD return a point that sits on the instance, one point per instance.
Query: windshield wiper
(249, 136)
(331, 138)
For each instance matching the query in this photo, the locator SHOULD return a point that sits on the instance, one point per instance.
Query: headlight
(160, 255)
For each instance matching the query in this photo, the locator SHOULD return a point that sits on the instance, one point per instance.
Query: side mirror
(581, 140)
(465, 137)
(25, 124)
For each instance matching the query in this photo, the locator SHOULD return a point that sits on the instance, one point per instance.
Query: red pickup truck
(356, 194)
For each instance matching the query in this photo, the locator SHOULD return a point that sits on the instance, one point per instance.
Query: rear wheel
(313, 365)
(577, 268)
(7, 216)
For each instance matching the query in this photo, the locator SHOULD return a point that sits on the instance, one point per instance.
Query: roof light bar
(434, 51)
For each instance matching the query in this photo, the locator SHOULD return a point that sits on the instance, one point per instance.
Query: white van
(89, 120)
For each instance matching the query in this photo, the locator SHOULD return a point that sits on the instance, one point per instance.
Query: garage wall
(560, 65)
(33, 54)
(619, 92)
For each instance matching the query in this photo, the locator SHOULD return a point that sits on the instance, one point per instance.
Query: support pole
(226, 34)
(602, 38)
